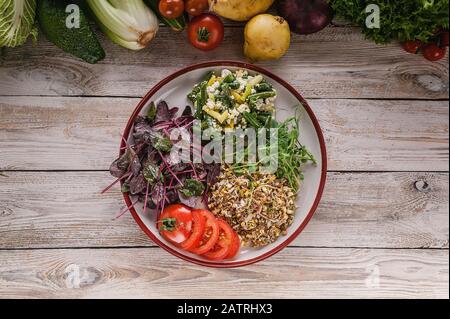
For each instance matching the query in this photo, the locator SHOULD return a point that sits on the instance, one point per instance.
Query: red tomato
(171, 9)
(198, 230)
(196, 7)
(205, 32)
(210, 235)
(444, 39)
(226, 242)
(175, 223)
(412, 46)
(235, 246)
(433, 53)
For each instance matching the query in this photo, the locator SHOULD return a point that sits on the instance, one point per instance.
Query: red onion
(305, 16)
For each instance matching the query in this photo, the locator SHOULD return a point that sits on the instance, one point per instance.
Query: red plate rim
(244, 65)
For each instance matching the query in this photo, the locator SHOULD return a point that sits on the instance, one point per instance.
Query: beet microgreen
(144, 167)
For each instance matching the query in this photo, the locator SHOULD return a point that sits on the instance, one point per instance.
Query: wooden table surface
(382, 228)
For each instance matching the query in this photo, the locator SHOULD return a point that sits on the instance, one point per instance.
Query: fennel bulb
(129, 23)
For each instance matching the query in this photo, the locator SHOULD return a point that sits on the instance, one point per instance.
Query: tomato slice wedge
(198, 229)
(210, 235)
(175, 223)
(228, 244)
(234, 247)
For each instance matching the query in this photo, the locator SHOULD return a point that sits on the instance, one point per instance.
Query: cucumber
(178, 24)
(80, 42)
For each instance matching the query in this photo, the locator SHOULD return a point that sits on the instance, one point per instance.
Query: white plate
(174, 90)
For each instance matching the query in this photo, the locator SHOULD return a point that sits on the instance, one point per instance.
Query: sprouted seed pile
(259, 207)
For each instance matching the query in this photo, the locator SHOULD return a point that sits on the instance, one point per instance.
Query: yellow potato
(239, 10)
(267, 37)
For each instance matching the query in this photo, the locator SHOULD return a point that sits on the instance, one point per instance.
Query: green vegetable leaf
(17, 22)
(399, 20)
(161, 143)
(151, 173)
(125, 188)
(192, 187)
(229, 78)
(263, 87)
(151, 113)
(252, 120)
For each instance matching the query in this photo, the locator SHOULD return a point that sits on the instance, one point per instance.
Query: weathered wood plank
(382, 210)
(50, 133)
(335, 63)
(293, 273)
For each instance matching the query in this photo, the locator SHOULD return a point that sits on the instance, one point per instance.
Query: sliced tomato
(226, 247)
(210, 235)
(235, 247)
(175, 223)
(198, 229)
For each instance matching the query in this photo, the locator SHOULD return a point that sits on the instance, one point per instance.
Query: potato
(239, 10)
(267, 37)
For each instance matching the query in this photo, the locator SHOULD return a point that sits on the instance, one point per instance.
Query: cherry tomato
(171, 9)
(433, 53)
(175, 223)
(205, 32)
(210, 235)
(196, 7)
(412, 46)
(198, 230)
(444, 39)
(226, 242)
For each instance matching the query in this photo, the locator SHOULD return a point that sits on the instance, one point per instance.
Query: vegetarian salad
(232, 100)
(213, 209)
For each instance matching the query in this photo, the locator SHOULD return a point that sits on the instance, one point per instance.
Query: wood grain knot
(5, 211)
(432, 83)
(422, 186)
(76, 277)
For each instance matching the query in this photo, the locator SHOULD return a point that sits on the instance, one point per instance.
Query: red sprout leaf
(125, 210)
(146, 198)
(115, 182)
(168, 168)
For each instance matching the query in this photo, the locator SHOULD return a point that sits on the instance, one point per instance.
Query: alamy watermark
(373, 279)
(373, 16)
(372, 20)
(73, 17)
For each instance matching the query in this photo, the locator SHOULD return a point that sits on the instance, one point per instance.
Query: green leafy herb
(151, 173)
(291, 154)
(234, 85)
(225, 99)
(257, 96)
(229, 78)
(192, 187)
(263, 87)
(193, 95)
(252, 120)
(200, 97)
(151, 113)
(125, 188)
(399, 20)
(168, 224)
(161, 143)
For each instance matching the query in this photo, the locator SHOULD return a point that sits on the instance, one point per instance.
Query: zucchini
(80, 42)
(178, 24)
